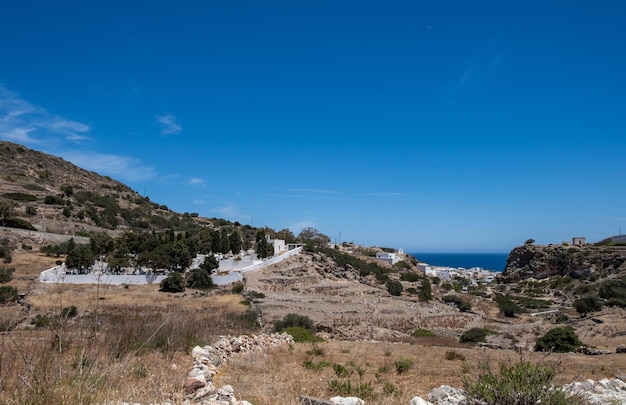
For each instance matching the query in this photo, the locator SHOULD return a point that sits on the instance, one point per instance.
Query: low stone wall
(199, 388)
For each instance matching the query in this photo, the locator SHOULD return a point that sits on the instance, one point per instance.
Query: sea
(487, 261)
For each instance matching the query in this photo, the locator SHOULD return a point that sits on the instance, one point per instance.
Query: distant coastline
(487, 261)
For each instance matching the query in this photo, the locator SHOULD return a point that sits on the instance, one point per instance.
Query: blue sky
(439, 126)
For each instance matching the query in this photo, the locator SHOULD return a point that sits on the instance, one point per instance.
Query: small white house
(278, 245)
(388, 257)
(579, 241)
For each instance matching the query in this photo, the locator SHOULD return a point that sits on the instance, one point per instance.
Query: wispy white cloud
(196, 181)
(169, 124)
(22, 122)
(120, 167)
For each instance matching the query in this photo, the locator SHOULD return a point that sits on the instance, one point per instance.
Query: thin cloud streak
(20, 121)
(120, 167)
(169, 123)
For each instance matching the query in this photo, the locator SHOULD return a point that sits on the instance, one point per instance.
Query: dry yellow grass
(278, 376)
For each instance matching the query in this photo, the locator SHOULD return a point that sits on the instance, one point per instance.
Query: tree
(587, 304)
(224, 242)
(199, 279)
(313, 236)
(235, 242)
(558, 340)
(529, 242)
(173, 283)
(425, 293)
(81, 257)
(263, 248)
(286, 235)
(210, 263)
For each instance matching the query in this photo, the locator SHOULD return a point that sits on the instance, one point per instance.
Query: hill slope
(56, 196)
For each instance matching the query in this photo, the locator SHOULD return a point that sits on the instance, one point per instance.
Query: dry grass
(124, 344)
(279, 376)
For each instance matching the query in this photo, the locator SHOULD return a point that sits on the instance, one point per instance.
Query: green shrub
(507, 306)
(290, 320)
(394, 287)
(423, 333)
(340, 370)
(302, 335)
(6, 274)
(19, 223)
(317, 366)
(8, 294)
(474, 335)
(69, 312)
(410, 277)
(199, 279)
(237, 288)
(558, 340)
(453, 355)
(52, 200)
(521, 383)
(587, 304)
(403, 365)
(20, 197)
(173, 283)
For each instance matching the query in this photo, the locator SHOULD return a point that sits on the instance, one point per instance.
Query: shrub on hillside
(300, 334)
(520, 383)
(173, 283)
(558, 340)
(587, 304)
(507, 306)
(474, 335)
(19, 223)
(394, 287)
(8, 294)
(6, 274)
(403, 365)
(423, 333)
(290, 320)
(199, 279)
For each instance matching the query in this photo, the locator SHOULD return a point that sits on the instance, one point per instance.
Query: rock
(347, 401)
(446, 395)
(419, 401)
(620, 349)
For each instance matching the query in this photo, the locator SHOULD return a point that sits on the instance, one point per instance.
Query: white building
(388, 257)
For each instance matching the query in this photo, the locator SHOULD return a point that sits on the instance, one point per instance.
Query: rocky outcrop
(577, 261)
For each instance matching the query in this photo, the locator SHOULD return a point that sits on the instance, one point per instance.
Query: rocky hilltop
(586, 261)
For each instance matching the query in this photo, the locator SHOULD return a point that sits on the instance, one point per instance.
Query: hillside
(48, 194)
